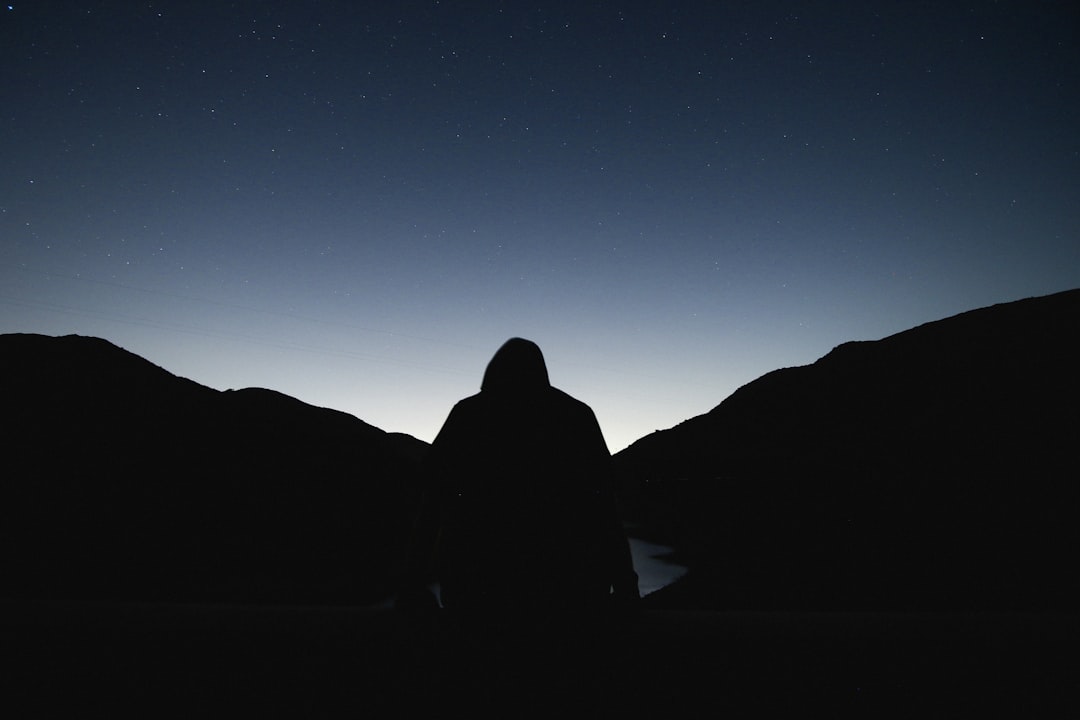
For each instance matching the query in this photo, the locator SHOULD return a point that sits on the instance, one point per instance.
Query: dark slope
(122, 480)
(933, 468)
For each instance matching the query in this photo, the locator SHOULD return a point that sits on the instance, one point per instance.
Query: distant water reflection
(654, 572)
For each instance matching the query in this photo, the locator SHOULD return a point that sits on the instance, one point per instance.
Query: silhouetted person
(519, 514)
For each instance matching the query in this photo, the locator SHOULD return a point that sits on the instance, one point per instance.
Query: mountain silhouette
(123, 481)
(935, 468)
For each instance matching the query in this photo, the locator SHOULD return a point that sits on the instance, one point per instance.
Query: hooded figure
(519, 508)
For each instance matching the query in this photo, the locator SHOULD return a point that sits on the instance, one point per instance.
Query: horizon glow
(357, 205)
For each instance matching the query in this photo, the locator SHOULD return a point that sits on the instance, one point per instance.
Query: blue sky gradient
(357, 203)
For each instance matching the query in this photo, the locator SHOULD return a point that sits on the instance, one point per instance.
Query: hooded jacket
(519, 504)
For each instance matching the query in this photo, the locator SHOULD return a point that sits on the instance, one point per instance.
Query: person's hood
(518, 366)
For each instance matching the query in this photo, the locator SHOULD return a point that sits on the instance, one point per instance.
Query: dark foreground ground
(219, 661)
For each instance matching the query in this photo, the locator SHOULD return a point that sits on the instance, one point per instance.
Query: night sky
(356, 203)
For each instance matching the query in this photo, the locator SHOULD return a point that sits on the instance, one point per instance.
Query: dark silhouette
(123, 481)
(518, 514)
(933, 469)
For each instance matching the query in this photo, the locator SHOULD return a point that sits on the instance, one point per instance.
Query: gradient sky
(356, 203)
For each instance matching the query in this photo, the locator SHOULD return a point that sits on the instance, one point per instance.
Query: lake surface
(654, 572)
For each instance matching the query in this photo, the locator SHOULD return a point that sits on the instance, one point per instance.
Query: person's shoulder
(470, 401)
(462, 412)
(568, 401)
(468, 407)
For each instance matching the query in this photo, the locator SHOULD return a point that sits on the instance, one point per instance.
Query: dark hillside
(935, 468)
(124, 481)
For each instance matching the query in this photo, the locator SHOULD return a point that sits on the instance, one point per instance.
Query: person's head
(518, 366)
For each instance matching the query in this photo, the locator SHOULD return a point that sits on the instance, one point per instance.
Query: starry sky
(356, 203)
